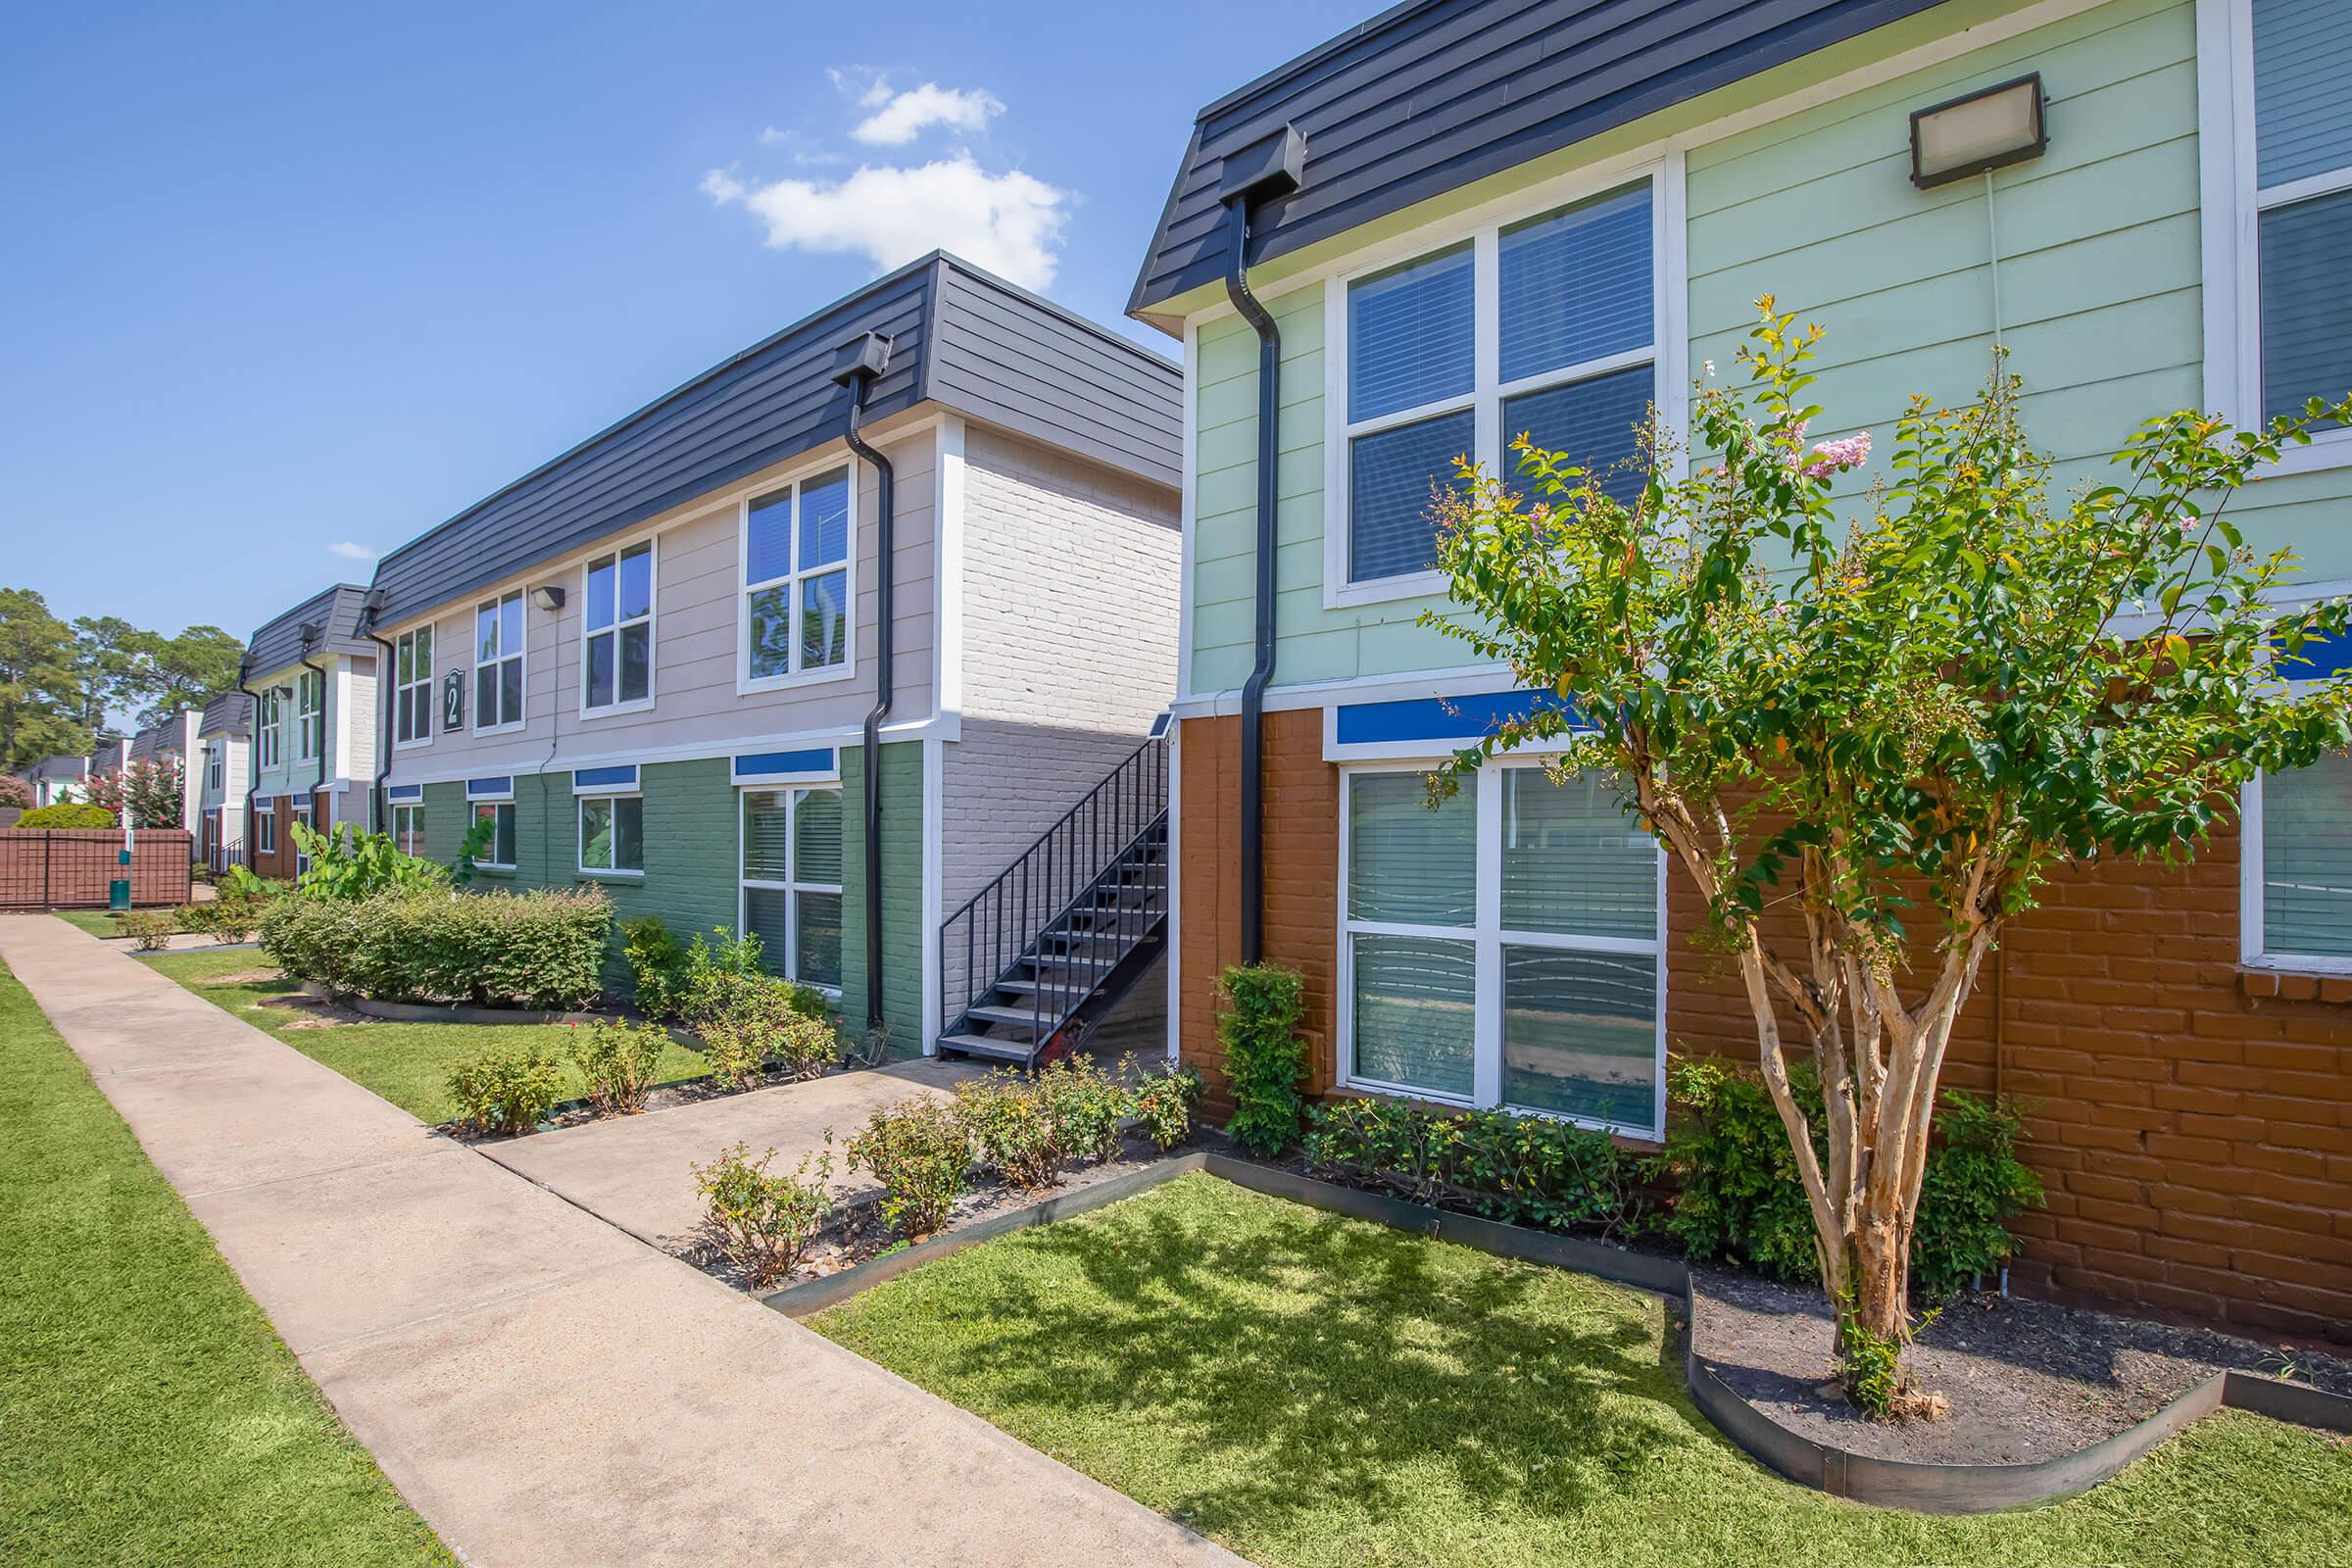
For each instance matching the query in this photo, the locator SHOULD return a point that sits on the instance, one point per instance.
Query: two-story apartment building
(817, 645)
(170, 743)
(310, 678)
(225, 763)
(1472, 219)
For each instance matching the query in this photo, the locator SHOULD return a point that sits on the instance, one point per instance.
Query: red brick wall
(2192, 1122)
(72, 868)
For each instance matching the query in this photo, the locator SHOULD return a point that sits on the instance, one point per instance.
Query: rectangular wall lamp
(1990, 128)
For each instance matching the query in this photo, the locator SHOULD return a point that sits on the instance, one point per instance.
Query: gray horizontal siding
(229, 714)
(1007, 357)
(1430, 97)
(278, 641)
(968, 341)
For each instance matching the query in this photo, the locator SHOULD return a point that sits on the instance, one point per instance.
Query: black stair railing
(1034, 907)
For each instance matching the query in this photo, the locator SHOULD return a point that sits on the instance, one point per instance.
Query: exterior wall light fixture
(1983, 131)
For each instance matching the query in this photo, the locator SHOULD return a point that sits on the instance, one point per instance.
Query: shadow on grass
(1303, 1363)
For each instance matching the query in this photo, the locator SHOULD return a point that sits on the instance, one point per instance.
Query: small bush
(1973, 1186)
(720, 968)
(1163, 1106)
(15, 792)
(618, 1060)
(346, 863)
(1522, 1170)
(763, 1221)
(232, 919)
(1265, 1057)
(920, 1153)
(1011, 1126)
(753, 1019)
(67, 815)
(540, 949)
(1086, 1107)
(736, 1050)
(149, 930)
(509, 1092)
(657, 966)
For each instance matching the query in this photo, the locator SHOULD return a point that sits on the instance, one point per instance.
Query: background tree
(149, 792)
(1868, 745)
(42, 698)
(147, 675)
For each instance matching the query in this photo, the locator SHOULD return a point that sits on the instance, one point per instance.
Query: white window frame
(580, 818)
(745, 681)
(790, 886)
(299, 816)
(495, 804)
(2232, 205)
(420, 674)
(265, 828)
(522, 655)
(1488, 938)
(408, 819)
(1668, 350)
(310, 718)
(653, 593)
(215, 767)
(269, 734)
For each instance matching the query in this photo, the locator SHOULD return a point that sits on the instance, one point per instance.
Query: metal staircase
(1065, 930)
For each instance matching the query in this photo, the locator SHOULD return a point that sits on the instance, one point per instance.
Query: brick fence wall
(72, 868)
(2192, 1120)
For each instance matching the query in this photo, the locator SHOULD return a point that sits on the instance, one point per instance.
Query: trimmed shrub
(67, 815)
(1265, 1057)
(754, 1020)
(1163, 1106)
(1008, 1123)
(149, 930)
(1086, 1108)
(762, 1221)
(1972, 1187)
(619, 1061)
(657, 966)
(508, 1092)
(541, 949)
(1522, 1170)
(921, 1155)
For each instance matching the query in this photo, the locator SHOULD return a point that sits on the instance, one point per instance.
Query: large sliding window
(791, 880)
(616, 630)
(412, 687)
(798, 587)
(1545, 327)
(498, 653)
(1502, 947)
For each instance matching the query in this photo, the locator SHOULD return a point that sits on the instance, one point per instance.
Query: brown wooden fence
(68, 868)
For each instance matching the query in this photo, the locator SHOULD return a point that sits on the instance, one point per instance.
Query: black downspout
(380, 806)
(1253, 690)
(253, 771)
(320, 782)
(860, 362)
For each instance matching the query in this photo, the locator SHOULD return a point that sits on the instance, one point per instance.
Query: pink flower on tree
(1836, 457)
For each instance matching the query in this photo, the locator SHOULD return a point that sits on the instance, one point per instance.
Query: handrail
(1004, 922)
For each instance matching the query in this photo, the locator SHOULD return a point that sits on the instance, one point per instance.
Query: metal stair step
(1012, 1017)
(985, 1046)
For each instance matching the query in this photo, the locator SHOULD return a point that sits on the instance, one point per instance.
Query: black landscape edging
(1920, 1486)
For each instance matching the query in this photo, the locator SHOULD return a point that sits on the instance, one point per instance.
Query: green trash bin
(118, 892)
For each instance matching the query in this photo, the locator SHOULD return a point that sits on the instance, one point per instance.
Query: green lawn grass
(148, 1415)
(1313, 1390)
(407, 1063)
(97, 922)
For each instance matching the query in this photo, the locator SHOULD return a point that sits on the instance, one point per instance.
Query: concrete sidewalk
(637, 1172)
(541, 1387)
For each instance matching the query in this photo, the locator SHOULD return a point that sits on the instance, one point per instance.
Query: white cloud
(898, 117)
(1011, 223)
(350, 550)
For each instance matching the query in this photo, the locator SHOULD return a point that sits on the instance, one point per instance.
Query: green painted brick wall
(901, 892)
(692, 839)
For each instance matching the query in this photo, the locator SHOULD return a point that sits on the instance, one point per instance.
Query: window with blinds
(1545, 328)
(791, 881)
(2303, 199)
(2306, 827)
(1503, 946)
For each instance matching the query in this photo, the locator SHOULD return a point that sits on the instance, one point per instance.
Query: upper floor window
(269, 734)
(797, 588)
(498, 662)
(2277, 199)
(309, 714)
(412, 687)
(1545, 327)
(616, 629)
(215, 766)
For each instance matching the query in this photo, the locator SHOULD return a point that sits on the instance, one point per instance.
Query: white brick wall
(1069, 638)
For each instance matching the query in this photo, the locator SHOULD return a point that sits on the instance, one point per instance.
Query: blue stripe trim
(2321, 660)
(600, 778)
(759, 765)
(406, 791)
(504, 785)
(1440, 719)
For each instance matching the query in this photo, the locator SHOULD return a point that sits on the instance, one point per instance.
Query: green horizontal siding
(901, 892)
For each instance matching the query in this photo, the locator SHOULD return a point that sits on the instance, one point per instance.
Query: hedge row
(540, 949)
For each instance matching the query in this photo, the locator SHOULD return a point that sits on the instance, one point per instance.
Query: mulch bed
(2025, 1380)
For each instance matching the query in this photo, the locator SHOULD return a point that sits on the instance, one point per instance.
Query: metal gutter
(855, 367)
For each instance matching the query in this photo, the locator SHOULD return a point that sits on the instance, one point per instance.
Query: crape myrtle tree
(1869, 743)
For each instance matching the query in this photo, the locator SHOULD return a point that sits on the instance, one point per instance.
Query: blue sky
(277, 279)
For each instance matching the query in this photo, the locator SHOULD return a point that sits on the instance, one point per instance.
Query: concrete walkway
(541, 1387)
(637, 1172)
